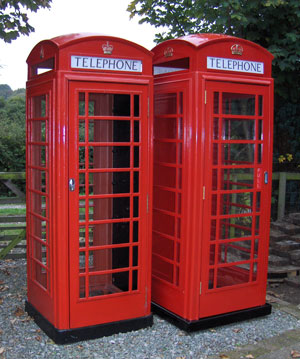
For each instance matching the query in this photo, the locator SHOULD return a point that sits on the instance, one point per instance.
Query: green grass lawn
(12, 211)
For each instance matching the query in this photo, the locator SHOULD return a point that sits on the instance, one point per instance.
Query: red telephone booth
(89, 186)
(213, 110)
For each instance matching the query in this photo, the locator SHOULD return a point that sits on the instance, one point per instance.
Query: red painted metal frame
(57, 300)
(181, 66)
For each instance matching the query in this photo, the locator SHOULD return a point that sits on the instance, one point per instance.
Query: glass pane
(164, 152)
(39, 228)
(162, 268)
(109, 157)
(233, 275)
(39, 180)
(136, 162)
(237, 203)
(81, 287)
(38, 155)
(180, 103)
(164, 176)
(216, 102)
(136, 182)
(82, 210)
(236, 227)
(238, 104)
(216, 129)
(108, 233)
(106, 284)
(38, 131)
(81, 184)
(240, 178)
(81, 157)
(82, 261)
(104, 104)
(163, 246)
(109, 183)
(163, 199)
(110, 208)
(110, 258)
(234, 252)
(260, 130)
(82, 237)
(109, 131)
(165, 128)
(260, 105)
(136, 131)
(39, 106)
(135, 256)
(212, 253)
(214, 180)
(81, 104)
(134, 280)
(81, 135)
(135, 231)
(165, 103)
(215, 153)
(136, 105)
(135, 206)
(236, 153)
(234, 129)
(38, 204)
(163, 223)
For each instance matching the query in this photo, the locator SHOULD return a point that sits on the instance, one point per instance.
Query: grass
(12, 211)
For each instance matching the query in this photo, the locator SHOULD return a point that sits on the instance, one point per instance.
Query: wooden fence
(13, 227)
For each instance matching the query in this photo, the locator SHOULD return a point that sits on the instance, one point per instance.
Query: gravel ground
(21, 338)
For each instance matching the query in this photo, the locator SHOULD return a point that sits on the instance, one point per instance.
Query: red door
(108, 189)
(236, 197)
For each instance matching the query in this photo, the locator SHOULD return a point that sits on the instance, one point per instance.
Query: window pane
(234, 129)
(104, 104)
(165, 103)
(238, 104)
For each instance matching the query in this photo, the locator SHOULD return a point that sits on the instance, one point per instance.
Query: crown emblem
(237, 49)
(107, 48)
(169, 51)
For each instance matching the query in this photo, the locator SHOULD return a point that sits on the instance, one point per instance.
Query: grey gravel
(20, 337)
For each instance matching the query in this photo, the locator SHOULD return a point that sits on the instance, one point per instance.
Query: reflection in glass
(238, 129)
(236, 153)
(238, 104)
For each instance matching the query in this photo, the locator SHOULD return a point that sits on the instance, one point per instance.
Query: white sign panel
(219, 63)
(104, 63)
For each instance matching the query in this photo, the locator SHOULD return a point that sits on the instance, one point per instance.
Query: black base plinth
(92, 332)
(214, 321)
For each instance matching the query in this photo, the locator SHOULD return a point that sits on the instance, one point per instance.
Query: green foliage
(274, 24)
(12, 132)
(14, 19)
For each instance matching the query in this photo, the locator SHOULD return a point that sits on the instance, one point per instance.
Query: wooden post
(281, 195)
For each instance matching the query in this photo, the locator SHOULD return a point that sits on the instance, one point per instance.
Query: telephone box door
(236, 197)
(108, 183)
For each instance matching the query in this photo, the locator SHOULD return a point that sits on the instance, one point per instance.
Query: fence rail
(13, 227)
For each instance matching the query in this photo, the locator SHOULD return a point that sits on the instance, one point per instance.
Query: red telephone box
(89, 186)
(213, 110)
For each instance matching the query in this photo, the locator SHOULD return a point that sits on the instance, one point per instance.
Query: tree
(5, 91)
(13, 17)
(274, 24)
(12, 132)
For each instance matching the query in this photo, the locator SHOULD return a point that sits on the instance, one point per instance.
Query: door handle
(266, 175)
(71, 184)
